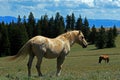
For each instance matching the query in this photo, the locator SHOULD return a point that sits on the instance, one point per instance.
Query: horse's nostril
(84, 46)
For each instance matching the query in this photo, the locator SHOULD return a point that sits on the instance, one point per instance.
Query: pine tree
(14, 38)
(68, 22)
(115, 31)
(79, 23)
(110, 39)
(59, 24)
(86, 29)
(101, 38)
(52, 28)
(44, 25)
(22, 31)
(30, 25)
(93, 35)
(17, 35)
(24, 22)
(4, 40)
(72, 21)
(19, 19)
(38, 28)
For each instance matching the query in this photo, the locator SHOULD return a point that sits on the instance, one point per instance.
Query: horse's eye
(82, 37)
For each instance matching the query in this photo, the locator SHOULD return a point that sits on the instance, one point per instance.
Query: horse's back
(38, 39)
(104, 56)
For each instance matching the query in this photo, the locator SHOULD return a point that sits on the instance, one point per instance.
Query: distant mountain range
(8, 19)
(96, 22)
(104, 22)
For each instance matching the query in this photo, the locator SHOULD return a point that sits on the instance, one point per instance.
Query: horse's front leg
(60, 61)
(105, 60)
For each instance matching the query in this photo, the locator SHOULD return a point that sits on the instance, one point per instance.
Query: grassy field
(80, 64)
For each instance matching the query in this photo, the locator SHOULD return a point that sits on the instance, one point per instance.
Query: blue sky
(92, 9)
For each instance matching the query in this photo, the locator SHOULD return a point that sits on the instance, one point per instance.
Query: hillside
(80, 64)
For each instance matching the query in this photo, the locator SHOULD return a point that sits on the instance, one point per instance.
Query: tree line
(13, 35)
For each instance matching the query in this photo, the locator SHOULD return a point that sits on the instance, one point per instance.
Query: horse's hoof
(40, 75)
(57, 75)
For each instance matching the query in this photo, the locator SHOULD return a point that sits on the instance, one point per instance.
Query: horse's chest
(67, 49)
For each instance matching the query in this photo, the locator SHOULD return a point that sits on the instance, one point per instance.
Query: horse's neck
(69, 37)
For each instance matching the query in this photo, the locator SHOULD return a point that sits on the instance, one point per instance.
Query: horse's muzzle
(84, 46)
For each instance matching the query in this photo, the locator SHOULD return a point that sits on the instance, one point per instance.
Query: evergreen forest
(14, 35)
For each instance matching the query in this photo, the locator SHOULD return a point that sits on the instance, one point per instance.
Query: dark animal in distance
(104, 57)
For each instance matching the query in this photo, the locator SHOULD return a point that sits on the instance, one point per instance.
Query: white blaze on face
(83, 41)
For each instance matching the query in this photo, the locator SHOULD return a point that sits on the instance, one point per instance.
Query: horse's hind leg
(38, 65)
(107, 60)
(39, 53)
(100, 59)
(31, 57)
(60, 61)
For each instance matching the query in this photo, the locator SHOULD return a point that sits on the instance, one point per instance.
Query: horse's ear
(65, 30)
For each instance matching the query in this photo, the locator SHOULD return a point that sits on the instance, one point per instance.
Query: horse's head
(80, 39)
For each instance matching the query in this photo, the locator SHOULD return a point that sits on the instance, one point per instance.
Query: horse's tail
(26, 49)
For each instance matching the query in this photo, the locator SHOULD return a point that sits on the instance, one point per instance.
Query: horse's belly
(50, 55)
(53, 53)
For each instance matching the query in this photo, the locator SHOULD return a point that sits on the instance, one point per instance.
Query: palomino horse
(104, 57)
(58, 47)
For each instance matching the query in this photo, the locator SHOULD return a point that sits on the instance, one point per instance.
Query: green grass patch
(80, 64)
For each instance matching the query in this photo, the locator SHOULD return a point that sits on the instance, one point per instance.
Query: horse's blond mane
(70, 33)
(66, 34)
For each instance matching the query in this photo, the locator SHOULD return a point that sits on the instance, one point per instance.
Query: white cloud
(107, 3)
(88, 2)
(77, 3)
(117, 2)
(5, 8)
(88, 8)
(41, 6)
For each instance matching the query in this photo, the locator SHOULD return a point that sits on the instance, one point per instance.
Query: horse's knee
(37, 66)
(39, 71)
(59, 66)
(29, 69)
(28, 65)
(108, 60)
